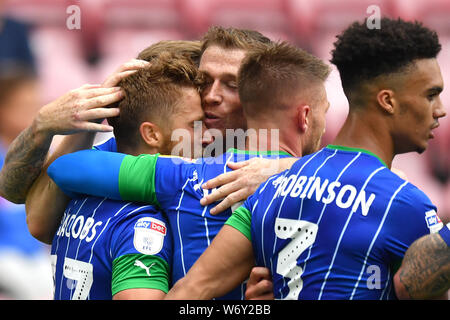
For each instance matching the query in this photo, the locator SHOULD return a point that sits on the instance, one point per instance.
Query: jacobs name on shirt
(77, 226)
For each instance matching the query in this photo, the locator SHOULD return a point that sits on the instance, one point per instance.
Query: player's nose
(440, 111)
(213, 95)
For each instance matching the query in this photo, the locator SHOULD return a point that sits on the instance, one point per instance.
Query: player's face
(188, 134)
(220, 96)
(420, 107)
(317, 117)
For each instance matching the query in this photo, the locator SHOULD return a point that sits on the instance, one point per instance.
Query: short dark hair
(270, 74)
(232, 38)
(362, 54)
(152, 93)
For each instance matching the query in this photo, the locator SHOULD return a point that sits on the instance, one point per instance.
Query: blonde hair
(152, 93)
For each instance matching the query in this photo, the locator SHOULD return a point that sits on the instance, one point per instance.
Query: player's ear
(151, 134)
(386, 100)
(302, 117)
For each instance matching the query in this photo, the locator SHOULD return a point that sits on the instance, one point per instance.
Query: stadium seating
(60, 61)
(39, 12)
(119, 29)
(262, 15)
(118, 45)
(433, 13)
(143, 13)
(311, 18)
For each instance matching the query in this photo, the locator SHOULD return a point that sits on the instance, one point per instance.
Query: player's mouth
(435, 125)
(211, 120)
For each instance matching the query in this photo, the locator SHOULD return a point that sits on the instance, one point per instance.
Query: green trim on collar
(331, 146)
(267, 153)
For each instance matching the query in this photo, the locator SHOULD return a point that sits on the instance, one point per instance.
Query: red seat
(59, 61)
(120, 45)
(142, 13)
(433, 13)
(39, 12)
(260, 15)
(312, 18)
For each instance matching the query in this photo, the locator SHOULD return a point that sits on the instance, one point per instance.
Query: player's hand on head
(126, 69)
(259, 285)
(79, 110)
(239, 184)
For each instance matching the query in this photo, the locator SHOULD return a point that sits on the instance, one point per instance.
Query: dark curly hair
(362, 54)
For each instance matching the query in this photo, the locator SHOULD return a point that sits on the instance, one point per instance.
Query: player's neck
(135, 151)
(271, 137)
(361, 132)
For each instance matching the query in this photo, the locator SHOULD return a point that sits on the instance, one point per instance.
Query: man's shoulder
(112, 208)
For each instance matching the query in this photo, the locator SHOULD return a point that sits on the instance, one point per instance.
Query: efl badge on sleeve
(149, 235)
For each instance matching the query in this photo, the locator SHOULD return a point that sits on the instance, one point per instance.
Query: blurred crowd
(41, 58)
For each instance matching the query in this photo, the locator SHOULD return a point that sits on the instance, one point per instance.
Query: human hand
(259, 285)
(242, 182)
(79, 110)
(124, 71)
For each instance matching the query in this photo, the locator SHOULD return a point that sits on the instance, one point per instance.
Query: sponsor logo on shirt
(141, 265)
(433, 222)
(149, 235)
(152, 225)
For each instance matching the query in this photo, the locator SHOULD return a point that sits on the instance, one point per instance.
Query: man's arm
(225, 264)
(140, 294)
(238, 185)
(425, 270)
(23, 163)
(79, 110)
(71, 113)
(45, 202)
(106, 174)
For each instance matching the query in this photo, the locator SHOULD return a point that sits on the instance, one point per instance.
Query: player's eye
(432, 96)
(232, 84)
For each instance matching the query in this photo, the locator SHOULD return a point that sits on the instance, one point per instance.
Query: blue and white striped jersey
(105, 246)
(336, 225)
(171, 183)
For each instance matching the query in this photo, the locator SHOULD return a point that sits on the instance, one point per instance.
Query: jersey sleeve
(141, 250)
(88, 172)
(154, 179)
(151, 179)
(241, 219)
(412, 216)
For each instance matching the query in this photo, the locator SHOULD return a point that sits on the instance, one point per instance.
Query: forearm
(45, 202)
(192, 288)
(425, 270)
(89, 172)
(23, 163)
(45, 205)
(76, 111)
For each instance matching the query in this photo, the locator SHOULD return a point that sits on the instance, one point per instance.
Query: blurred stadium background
(114, 31)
